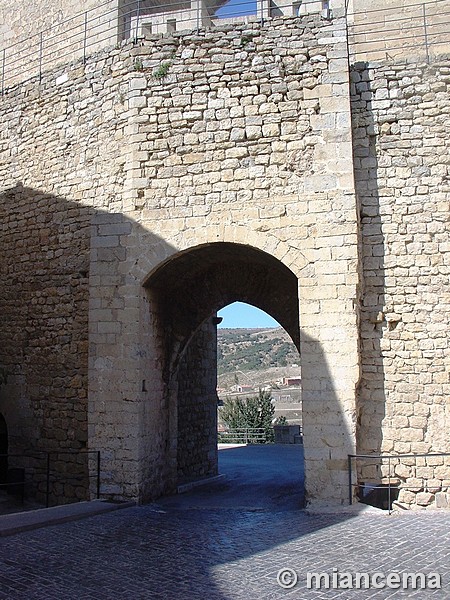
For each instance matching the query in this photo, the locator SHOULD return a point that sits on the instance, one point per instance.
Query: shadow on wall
(372, 393)
(44, 268)
(51, 268)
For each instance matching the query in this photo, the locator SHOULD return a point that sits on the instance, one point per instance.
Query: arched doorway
(162, 350)
(185, 293)
(166, 293)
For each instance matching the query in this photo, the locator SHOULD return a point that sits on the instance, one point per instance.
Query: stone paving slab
(226, 541)
(159, 553)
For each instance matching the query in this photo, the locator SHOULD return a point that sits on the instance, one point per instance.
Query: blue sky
(234, 8)
(239, 314)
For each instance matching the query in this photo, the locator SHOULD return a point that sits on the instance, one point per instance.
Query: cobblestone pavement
(191, 551)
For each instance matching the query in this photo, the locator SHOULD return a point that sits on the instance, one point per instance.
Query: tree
(255, 413)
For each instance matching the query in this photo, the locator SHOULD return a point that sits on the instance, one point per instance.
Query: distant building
(241, 388)
(292, 380)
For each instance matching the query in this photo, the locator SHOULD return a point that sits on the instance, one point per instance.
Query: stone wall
(197, 406)
(398, 29)
(402, 167)
(36, 36)
(54, 166)
(238, 136)
(44, 267)
(215, 167)
(264, 164)
(26, 20)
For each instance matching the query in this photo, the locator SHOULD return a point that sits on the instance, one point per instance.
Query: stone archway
(156, 306)
(187, 290)
(193, 284)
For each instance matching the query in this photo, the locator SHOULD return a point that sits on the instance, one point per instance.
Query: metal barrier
(246, 435)
(389, 473)
(377, 33)
(408, 31)
(45, 471)
(107, 25)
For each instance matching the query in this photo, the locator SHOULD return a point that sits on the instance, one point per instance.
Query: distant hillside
(254, 350)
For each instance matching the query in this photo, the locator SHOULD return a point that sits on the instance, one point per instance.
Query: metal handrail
(246, 435)
(425, 28)
(49, 476)
(105, 25)
(389, 458)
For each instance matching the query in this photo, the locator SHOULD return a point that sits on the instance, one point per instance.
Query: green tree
(254, 412)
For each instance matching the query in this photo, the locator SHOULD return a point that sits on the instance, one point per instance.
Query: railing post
(98, 474)
(389, 484)
(3, 70)
(47, 492)
(425, 31)
(85, 36)
(138, 15)
(41, 51)
(198, 16)
(350, 490)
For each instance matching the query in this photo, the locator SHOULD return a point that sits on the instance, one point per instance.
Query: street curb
(186, 487)
(56, 515)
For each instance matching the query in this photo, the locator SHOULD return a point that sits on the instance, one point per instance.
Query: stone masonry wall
(55, 163)
(197, 406)
(44, 266)
(25, 20)
(36, 36)
(242, 135)
(398, 30)
(402, 166)
(239, 135)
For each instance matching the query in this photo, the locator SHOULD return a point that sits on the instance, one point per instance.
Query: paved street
(203, 546)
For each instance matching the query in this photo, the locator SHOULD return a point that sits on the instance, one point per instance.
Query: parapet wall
(37, 38)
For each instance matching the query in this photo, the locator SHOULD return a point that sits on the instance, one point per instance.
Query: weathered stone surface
(401, 155)
(135, 206)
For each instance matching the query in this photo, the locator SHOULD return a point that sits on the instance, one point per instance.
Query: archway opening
(255, 353)
(186, 292)
(260, 443)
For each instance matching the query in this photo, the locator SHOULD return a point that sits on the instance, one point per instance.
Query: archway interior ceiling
(194, 284)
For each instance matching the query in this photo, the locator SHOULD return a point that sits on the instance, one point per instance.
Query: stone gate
(256, 165)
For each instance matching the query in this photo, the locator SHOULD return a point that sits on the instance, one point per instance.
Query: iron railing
(245, 435)
(416, 30)
(43, 469)
(383, 33)
(389, 477)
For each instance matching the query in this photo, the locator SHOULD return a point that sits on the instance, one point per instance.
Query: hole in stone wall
(380, 496)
